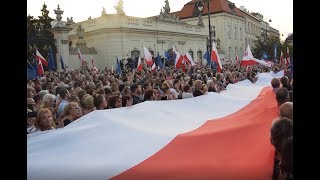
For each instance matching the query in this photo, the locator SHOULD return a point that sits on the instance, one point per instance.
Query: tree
(266, 43)
(39, 36)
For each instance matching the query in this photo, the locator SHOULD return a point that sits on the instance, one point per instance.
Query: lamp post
(200, 8)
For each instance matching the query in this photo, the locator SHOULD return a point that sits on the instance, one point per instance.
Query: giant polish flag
(222, 135)
(147, 56)
(249, 60)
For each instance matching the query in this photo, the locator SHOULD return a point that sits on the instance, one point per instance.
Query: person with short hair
(187, 92)
(71, 112)
(114, 102)
(44, 120)
(282, 96)
(126, 101)
(286, 110)
(286, 162)
(275, 83)
(135, 93)
(197, 88)
(280, 131)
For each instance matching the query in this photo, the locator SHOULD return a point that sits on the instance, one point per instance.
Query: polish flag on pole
(187, 57)
(249, 60)
(40, 68)
(147, 56)
(39, 57)
(178, 59)
(215, 57)
(140, 65)
(281, 58)
(154, 67)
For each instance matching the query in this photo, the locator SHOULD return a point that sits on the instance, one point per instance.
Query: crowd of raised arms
(57, 99)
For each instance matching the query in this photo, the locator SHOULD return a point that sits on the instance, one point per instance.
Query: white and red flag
(249, 60)
(153, 67)
(281, 58)
(207, 137)
(147, 56)
(39, 57)
(215, 57)
(140, 65)
(178, 58)
(187, 57)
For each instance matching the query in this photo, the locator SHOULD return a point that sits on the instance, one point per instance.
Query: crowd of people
(57, 99)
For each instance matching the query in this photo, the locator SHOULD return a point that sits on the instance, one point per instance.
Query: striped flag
(147, 56)
(39, 57)
(178, 141)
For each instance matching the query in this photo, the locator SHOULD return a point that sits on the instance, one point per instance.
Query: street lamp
(200, 8)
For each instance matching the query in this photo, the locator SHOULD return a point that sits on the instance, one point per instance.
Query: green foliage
(266, 43)
(39, 36)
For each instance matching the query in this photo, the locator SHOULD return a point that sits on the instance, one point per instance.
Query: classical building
(118, 35)
(112, 36)
(227, 21)
(252, 27)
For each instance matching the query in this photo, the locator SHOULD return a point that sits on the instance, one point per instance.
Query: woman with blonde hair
(71, 112)
(88, 105)
(44, 120)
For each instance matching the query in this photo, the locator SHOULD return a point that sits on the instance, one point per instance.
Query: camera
(32, 114)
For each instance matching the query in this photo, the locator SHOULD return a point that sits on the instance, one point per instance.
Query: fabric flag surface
(215, 57)
(160, 65)
(140, 65)
(249, 60)
(178, 58)
(31, 71)
(182, 139)
(147, 56)
(51, 65)
(206, 56)
(281, 58)
(118, 67)
(39, 57)
(189, 59)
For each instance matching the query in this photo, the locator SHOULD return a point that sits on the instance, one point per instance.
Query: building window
(235, 51)
(191, 53)
(199, 55)
(229, 31)
(241, 52)
(235, 33)
(135, 54)
(229, 53)
(240, 34)
(248, 29)
(214, 31)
